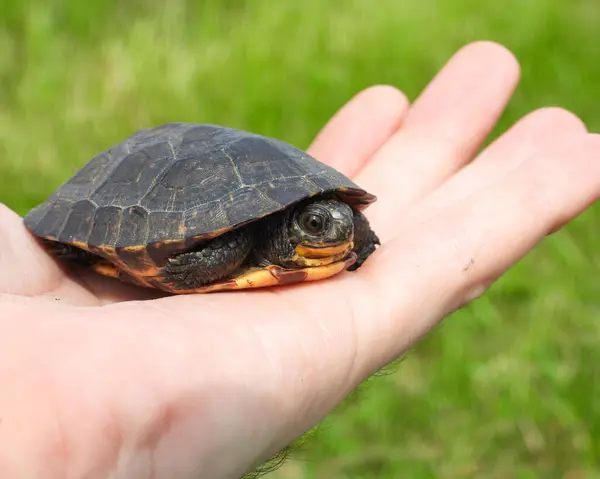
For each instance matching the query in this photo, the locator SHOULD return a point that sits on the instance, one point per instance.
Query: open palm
(101, 379)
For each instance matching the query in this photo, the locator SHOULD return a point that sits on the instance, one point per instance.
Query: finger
(444, 128)
(359, 128)
(543, 129)
(453, 258)
(26, 268)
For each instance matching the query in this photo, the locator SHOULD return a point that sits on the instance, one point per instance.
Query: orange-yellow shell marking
(275, 275)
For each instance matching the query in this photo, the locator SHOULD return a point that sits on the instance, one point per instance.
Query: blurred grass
(508, 387)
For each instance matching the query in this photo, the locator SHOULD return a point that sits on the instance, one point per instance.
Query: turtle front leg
(214, 261)
(365, 240)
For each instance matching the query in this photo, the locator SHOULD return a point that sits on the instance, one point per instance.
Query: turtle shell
(163, 190)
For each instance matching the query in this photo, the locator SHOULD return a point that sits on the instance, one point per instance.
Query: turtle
(197, 208)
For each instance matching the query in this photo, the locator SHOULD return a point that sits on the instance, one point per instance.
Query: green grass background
(509, 387)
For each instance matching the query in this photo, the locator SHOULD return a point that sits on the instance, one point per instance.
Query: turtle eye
(313, 223)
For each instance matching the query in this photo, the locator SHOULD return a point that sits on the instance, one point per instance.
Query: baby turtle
(190, 208)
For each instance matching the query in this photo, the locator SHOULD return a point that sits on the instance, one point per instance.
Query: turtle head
(321, 231)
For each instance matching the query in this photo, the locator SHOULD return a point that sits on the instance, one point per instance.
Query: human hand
(105, 380)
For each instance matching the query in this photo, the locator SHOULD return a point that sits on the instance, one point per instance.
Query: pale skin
(100, 380)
